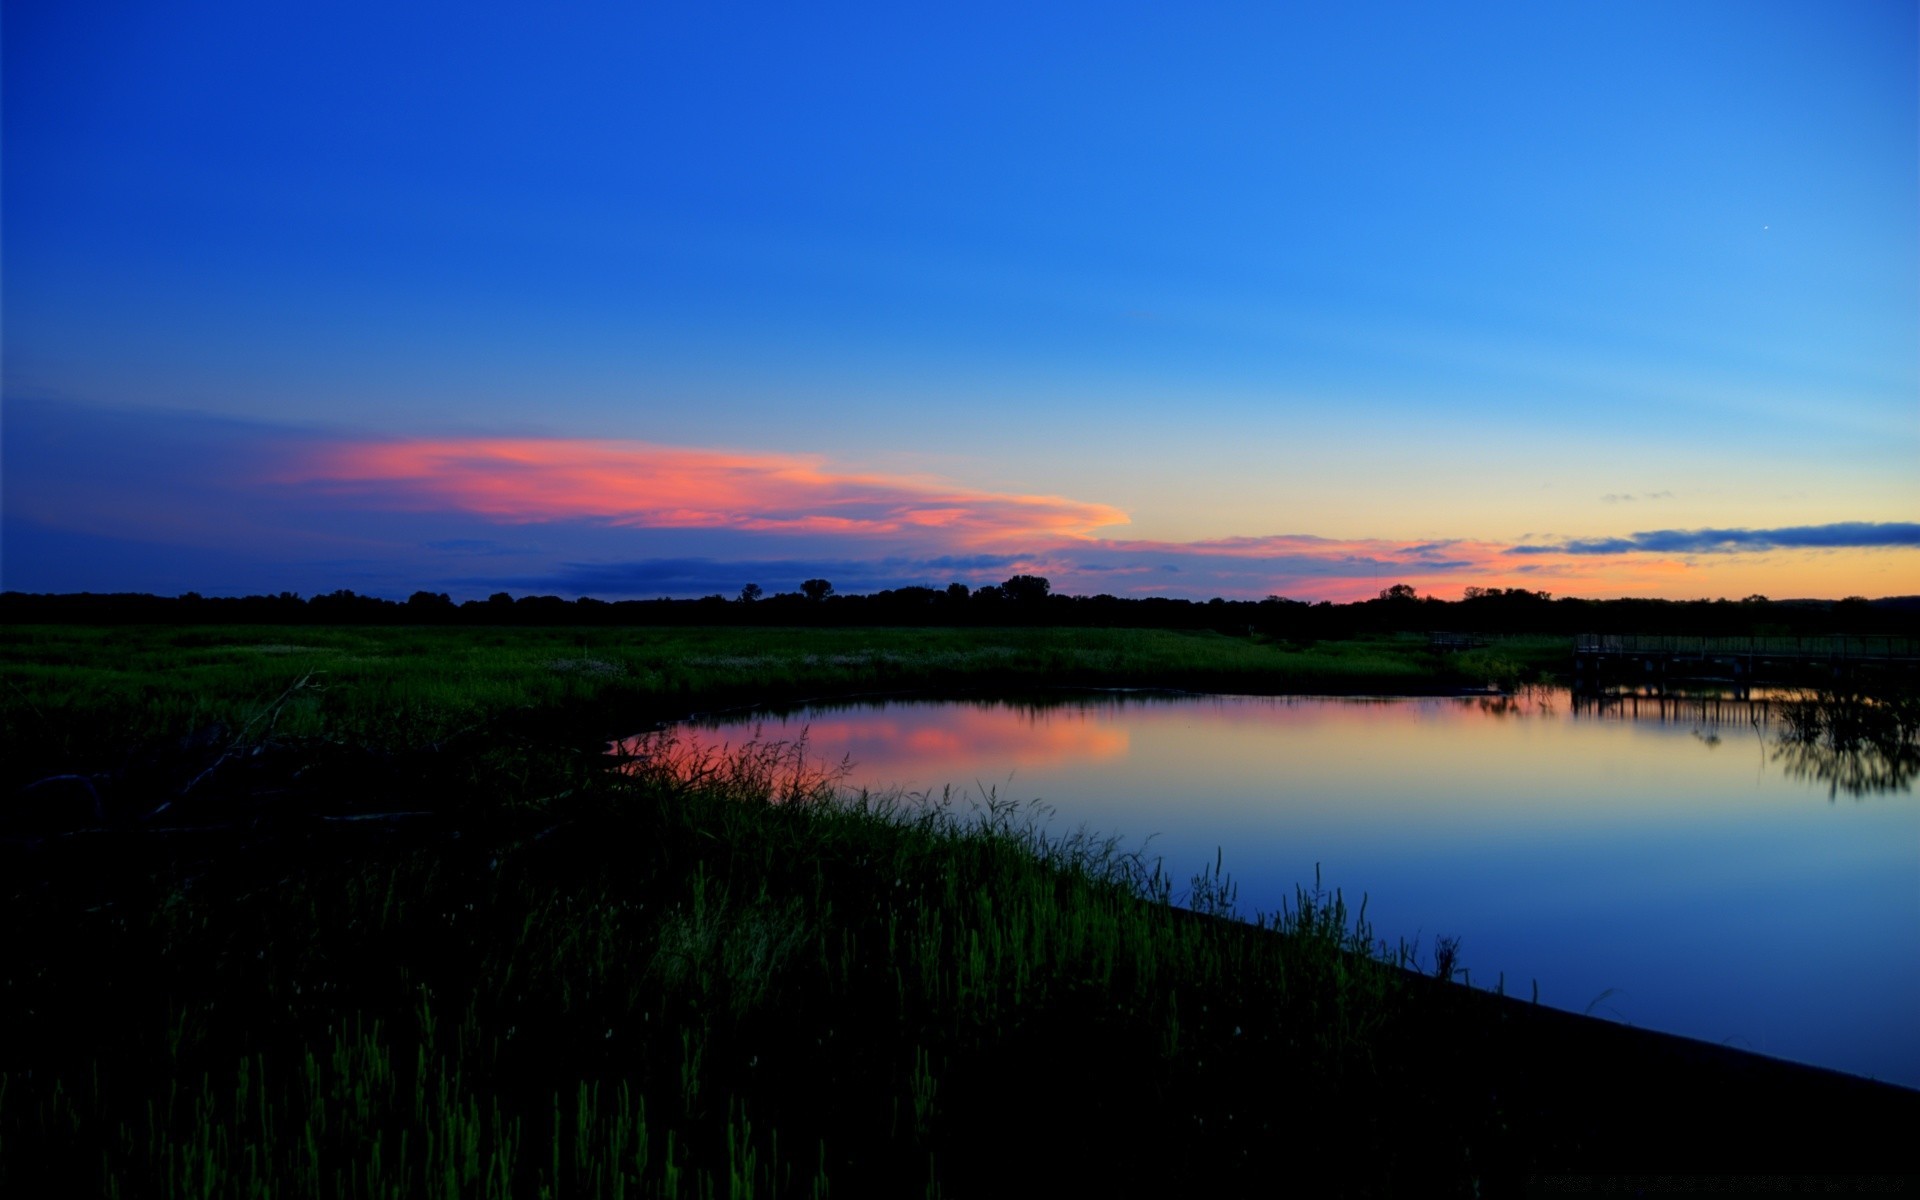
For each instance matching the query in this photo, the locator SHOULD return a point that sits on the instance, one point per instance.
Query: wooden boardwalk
(1652, 660)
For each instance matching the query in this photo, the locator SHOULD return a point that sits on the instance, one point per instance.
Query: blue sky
(1384, 273)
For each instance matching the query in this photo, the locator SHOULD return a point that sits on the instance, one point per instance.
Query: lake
(1655, 862)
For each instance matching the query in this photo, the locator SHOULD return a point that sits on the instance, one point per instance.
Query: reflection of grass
(1853, 743)
(68, 694)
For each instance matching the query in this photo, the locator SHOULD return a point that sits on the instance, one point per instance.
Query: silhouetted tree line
(1021, 600)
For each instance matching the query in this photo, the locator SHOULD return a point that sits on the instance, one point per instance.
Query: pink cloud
(636, 483)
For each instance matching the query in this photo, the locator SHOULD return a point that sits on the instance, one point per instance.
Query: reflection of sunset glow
(750, 769)
(1304, 748)
(635, 483)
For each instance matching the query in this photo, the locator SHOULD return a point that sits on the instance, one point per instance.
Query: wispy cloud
(525, 480)
(1839, 535)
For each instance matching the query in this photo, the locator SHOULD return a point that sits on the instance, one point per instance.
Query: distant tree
(1026, 588)
(957, 591)
(542, 608)
(1494, 593)
(500, 598)
(816, 589)
(1399, 591)
(429, 602)
(750, 593)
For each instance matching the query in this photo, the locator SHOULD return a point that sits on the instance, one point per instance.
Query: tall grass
(664, 984)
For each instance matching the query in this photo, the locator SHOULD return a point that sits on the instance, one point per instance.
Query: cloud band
(1839, 535)
(666, 487)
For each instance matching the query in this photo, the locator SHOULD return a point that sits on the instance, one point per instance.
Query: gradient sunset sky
(1186, 299)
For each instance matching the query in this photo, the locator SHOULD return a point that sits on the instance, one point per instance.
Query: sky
(1190, 300)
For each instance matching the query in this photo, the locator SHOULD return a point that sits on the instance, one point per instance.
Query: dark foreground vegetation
(386, 920)
(575, 980)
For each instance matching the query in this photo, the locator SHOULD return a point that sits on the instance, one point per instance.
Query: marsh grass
(78, 698)
(1511, 664)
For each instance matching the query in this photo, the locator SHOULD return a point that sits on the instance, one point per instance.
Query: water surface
(1652, 863)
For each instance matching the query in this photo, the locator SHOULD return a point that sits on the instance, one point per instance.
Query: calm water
(1653, 864)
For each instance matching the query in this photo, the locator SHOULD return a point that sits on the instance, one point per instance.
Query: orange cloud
(1344, 569)
(640, 484)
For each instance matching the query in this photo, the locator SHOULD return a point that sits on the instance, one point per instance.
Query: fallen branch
(271, 714)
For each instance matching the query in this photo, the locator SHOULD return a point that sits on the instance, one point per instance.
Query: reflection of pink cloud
(924, 746)
(635, 483)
